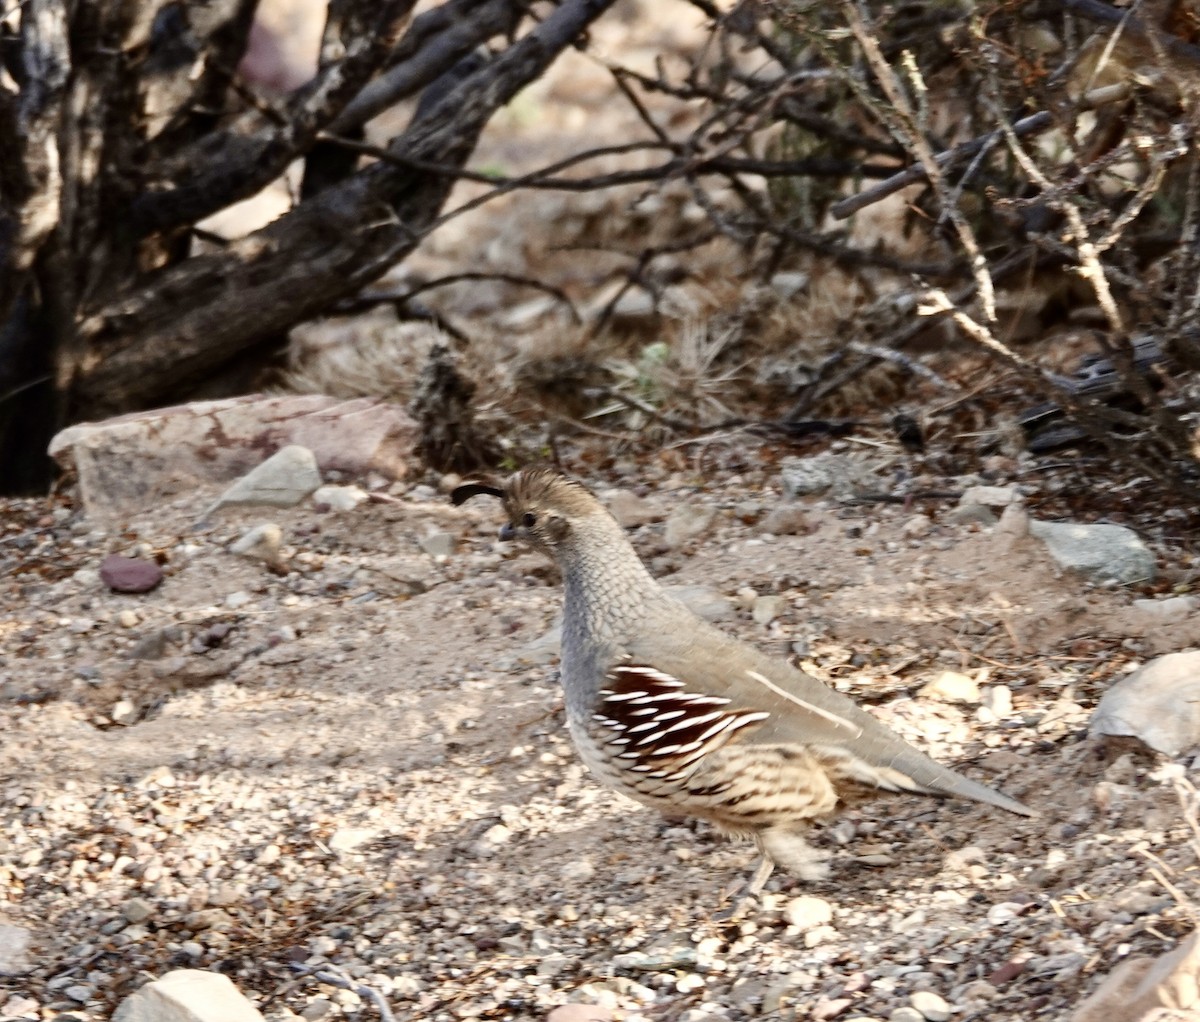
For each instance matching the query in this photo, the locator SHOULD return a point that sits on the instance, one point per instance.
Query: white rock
(235, 601)
(1100, 552)
(998, 699)
(768, 608)
(1168, 611)
(990, 496)
(1138, 988)
(260, 543)
(807, 912)
(1014, 522)
(438, 544)
(124, 712)
(346, 839)
(127, 618)
(628, 508)
(283, 480)
(188, 995)
(687, 522)
(787, 284)
(14, 947)
(917, 526)
(339, 498)
(931, 1006)
(906, 1014)
(703, 602)
(951, 687)
(1158, 704)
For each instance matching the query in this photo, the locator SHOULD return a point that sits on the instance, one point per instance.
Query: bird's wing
(789, 706)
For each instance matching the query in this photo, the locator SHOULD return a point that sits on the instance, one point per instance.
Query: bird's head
(544, 508)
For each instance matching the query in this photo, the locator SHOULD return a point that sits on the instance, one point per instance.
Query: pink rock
(129, 574)
(139, 461)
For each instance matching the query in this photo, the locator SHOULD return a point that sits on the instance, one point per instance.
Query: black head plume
(461, 494)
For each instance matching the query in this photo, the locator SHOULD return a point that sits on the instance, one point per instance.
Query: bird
(671, 711)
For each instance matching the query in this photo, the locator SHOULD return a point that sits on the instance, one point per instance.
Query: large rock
(1101, 552)
(136, 462)
(1158, 704)
(14, 949)
(187, 995)
(1144, 988)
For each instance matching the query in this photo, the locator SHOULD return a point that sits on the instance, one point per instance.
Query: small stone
(235, 601)
(931, 1006)
(686, 523)
(79, 992)
(917, 526)
(317, 1008)
(188, 995)
(283, 480)
(127, 618)
(1159, 704)
(703, 602)
(836, 474)
(966, 514)
(998, 699)
(807, 911)
(438, 544)
(990, 496)
(129, 574)
(1102, 552)
(768, 608)
(786, 520)
(1172, 610)
(269, 855)
(788, 283)
(260, 543)
(628, 508)
(906, 1014)
(951, 687)
(347, 839)
(14, 947)
(124, 712)
(339, 498)
(1014, 522)
(580, 1013)
(81, 625)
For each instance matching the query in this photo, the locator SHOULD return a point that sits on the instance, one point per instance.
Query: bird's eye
(529, 519)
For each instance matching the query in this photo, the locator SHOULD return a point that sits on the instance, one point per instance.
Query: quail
(674, 713)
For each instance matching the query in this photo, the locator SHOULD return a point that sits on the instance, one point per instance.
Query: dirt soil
(362, 763)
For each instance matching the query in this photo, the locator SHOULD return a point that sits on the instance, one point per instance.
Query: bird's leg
(750, 892)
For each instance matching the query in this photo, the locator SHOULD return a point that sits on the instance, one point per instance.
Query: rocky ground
(356, 763)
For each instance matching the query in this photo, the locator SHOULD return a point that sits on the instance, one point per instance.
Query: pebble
(14, 947)
(580, 1013)
(79, 992)
(317, 1008)
(951, 687)
(989, 496)
(129, 574)
(261, 543)
(235, 601)
(906, 1014)
(127, 618)
(628, 508)
(686, 523)
(768, 608)
(917, 526)
(124, 712)
(932, 1006)
(339, 498)
(807, 911)
(438, 544)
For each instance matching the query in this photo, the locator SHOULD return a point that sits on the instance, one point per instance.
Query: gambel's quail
(674, 713)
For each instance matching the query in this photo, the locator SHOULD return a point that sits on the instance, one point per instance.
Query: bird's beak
(507, 532)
